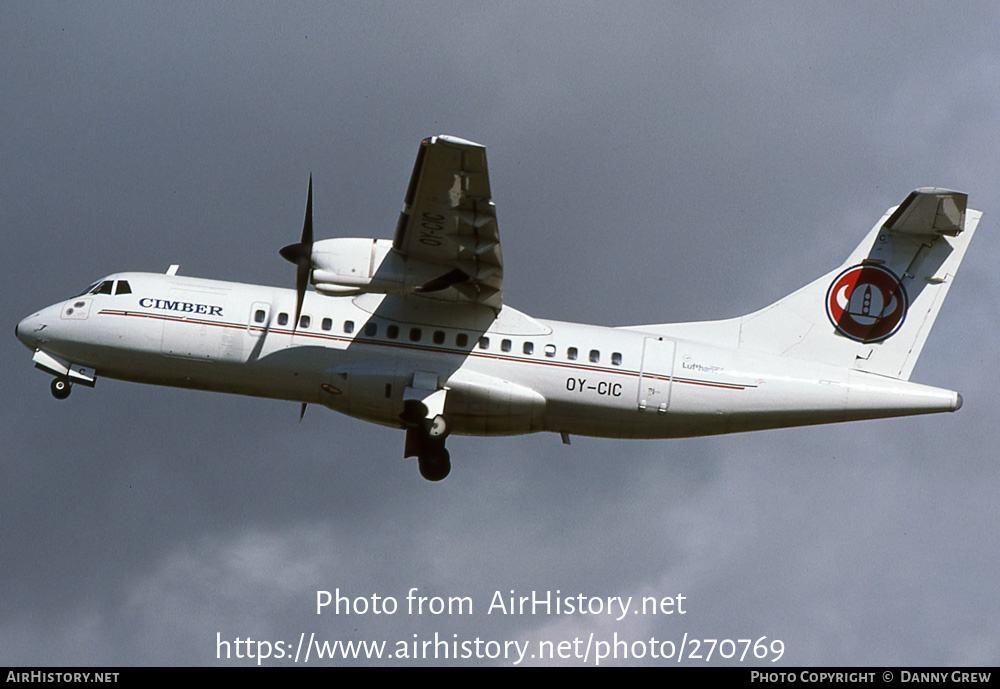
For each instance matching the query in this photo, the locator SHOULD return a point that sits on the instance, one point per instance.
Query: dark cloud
(649, 164)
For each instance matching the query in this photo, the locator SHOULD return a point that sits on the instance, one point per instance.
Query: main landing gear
(425, 440)
(61, 387)
(435, 462)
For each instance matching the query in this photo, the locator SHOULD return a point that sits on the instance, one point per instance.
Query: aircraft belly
(476, 403)
(552, 396)
(773, 401)
(215, 376)
(742, 392)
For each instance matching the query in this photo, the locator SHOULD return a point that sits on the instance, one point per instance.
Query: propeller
(301, 255)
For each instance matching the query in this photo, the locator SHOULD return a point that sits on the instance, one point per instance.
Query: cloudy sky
(650, 163)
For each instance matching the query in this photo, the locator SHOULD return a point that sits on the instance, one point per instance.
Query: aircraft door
(657, 374)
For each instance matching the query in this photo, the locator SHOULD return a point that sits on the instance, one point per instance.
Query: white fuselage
(503, 374)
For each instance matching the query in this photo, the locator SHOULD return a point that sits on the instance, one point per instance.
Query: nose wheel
(61, 387)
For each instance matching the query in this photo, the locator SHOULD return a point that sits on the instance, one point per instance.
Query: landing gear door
(657, 374)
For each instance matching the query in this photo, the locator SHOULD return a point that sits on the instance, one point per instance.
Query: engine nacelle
(355, 265)
(347, 265)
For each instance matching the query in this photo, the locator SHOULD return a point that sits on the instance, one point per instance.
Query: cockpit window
(102, 287)
(122, 287)
(89, 290)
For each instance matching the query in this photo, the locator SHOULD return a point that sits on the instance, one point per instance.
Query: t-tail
(874, 312)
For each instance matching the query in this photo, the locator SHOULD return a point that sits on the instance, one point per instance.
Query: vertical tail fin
(874, 312)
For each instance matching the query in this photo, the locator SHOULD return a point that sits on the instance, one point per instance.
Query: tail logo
(866, 303)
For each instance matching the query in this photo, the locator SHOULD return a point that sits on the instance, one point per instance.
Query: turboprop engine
(344, 266)
(347, 265)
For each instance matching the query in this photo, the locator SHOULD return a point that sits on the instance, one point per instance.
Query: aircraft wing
(449, 222)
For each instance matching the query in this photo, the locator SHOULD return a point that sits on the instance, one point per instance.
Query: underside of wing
(448, 223)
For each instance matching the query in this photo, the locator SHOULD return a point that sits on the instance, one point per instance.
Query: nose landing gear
(61, 387)
(65, 373)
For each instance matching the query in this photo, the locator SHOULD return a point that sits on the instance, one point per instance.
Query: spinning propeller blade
(301, 255)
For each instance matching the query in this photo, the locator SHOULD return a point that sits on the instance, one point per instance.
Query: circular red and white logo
(866, 303)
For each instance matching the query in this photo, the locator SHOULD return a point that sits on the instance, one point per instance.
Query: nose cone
(27, 331)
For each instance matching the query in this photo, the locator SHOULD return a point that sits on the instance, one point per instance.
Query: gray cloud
(649, 164)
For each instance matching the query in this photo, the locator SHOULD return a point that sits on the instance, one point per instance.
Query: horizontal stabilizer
(929, 211)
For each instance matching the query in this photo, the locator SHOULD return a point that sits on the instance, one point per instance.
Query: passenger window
(571, 353)
(348, 327)
(371, 329)
(439, 337)
(505, 345)
(550, 350)
(484, 343)
(259, 316)
(415, 334)
(529, 347)
(461, 340)
(122, 287)
(282, 319)
(392, 332)
(616, 358)
(595, 356)
(304, 321)
(327, 324)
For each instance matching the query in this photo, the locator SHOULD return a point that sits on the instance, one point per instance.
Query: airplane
(413, 333)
